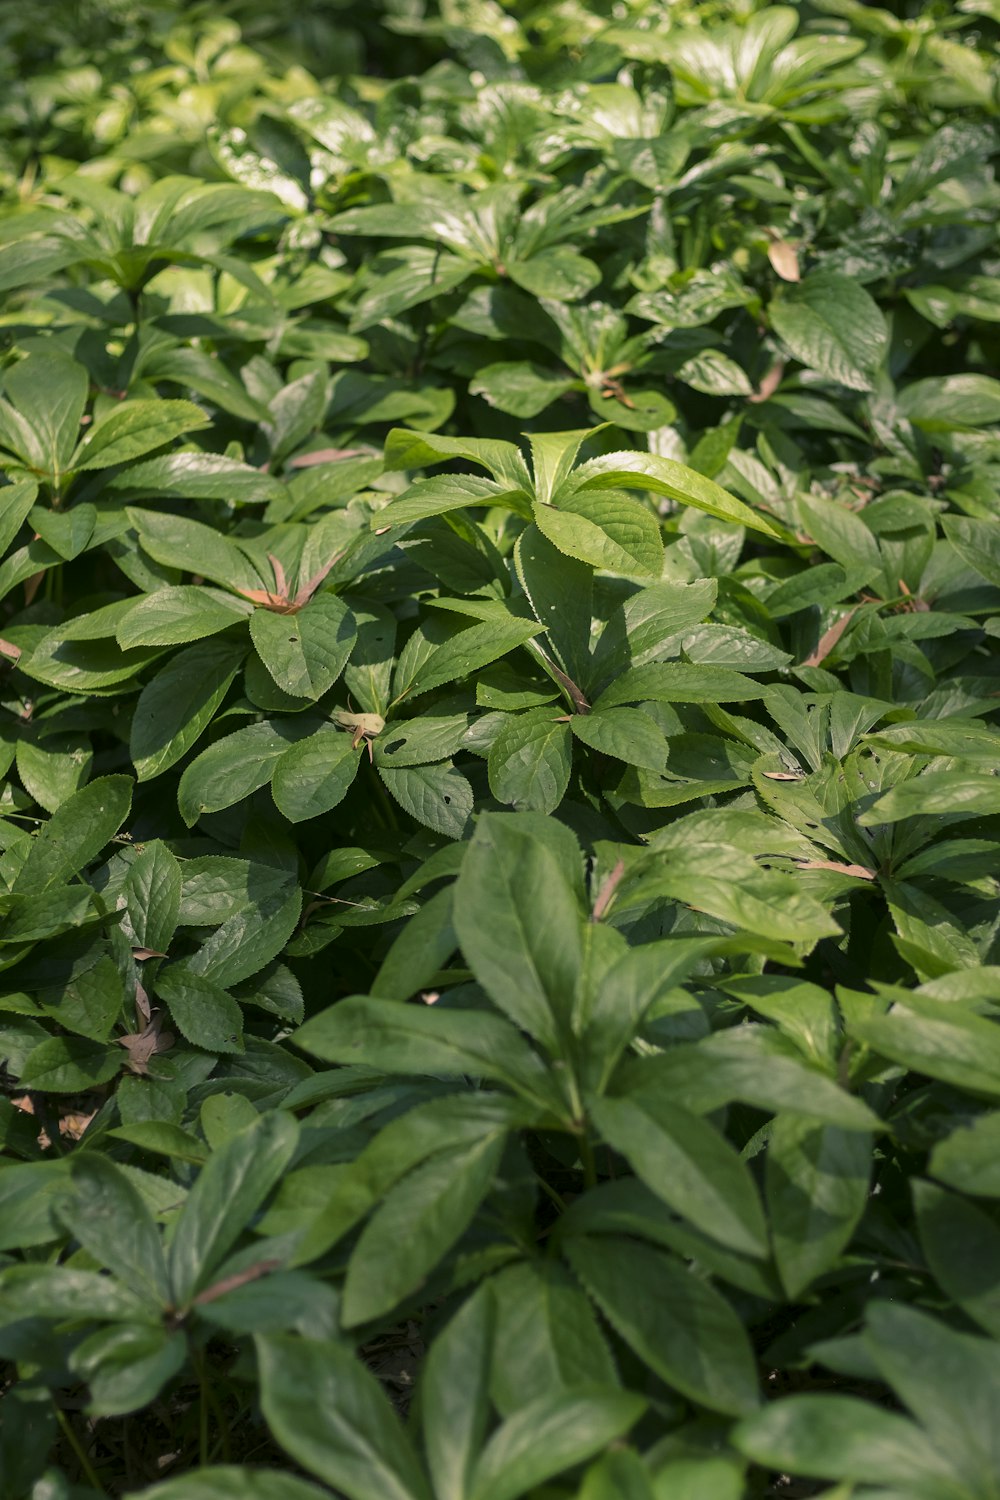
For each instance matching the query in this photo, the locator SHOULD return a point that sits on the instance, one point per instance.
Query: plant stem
(589, 1164)
(86, 1467)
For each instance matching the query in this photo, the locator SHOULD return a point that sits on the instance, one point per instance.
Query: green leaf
(530, 760)
(178, 704)
(548, 1338)
(199, 476)
(134, 428)
(202, 1012)
(952, 793)
(416, 1224)
(75, 834)
(255, 933)
(126, 1366)
(328, 1412)
(227, 1193)
(832, 325)
(467, 651)
(437, 796)
(665, 476)
(69, 1065)
(677, 1324)
(233, 1482)
(153, 896)
(606, 529)
(626, 733)
(519, 925)
(305, 652)
(550, 1434)
(409, 1039)
(106, 1214)
(945, 1378)
(560, 591)
(688, 1164)
(977, 543)
(313, 776)
(520, 387)
(455, 1395)
(177, 542)
(234, 767)
(173, 616)
(676, 682)
(969, 1157)
(951, 403)
(817, 1188)
(557, 272)
(843, 1437)
(961, 1242)
(937, 1038)
(50, 391)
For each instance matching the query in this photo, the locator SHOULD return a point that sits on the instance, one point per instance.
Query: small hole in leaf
(447, 801)
(393, 747)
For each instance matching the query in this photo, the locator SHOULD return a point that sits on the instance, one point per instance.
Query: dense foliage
(500, 670)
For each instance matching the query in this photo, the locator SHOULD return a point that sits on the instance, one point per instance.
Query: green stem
(86, 1467)
(589, 1164)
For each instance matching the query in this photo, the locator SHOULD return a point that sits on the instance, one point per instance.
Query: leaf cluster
(500, 822)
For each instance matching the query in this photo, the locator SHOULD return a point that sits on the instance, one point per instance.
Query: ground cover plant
(499, 881)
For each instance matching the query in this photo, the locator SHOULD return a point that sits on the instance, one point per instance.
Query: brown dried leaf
(144, 1044)
(31, 587)
(784, 260)
(860, 872)
(325, 456)
(9, 650)
(770, 383)
(828, 640)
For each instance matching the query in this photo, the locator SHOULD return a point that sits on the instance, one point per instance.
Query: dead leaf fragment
(8, 649)
(784, 260)
(828, 640)
(326, 456)
(860, 872)
(769, 384)
(143, 1044)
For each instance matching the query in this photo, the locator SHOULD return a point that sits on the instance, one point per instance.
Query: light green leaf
(134, 428)
(313, 776)
(305, 652)
(817, 1187)
(173, 616)
(519, 925)
(605, 528)
(530, 760)
(665, 476)
(550, 1434)
(831, 324)
(330, 1414)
